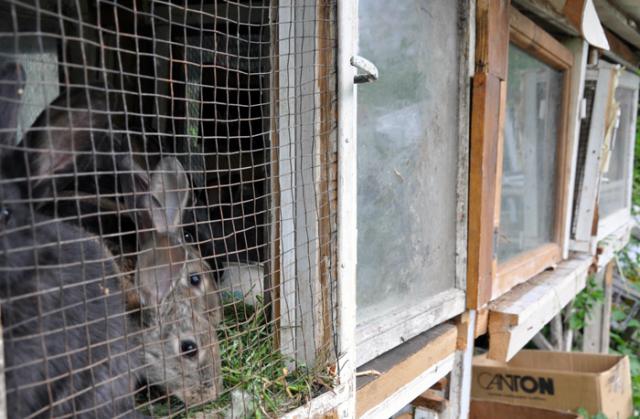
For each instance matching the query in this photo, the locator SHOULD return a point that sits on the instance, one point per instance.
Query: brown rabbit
(174, 287)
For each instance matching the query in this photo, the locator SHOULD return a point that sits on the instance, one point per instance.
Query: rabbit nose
(188, 348)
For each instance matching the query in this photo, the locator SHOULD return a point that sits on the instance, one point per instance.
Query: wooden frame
(617, 220)
(516, 317)
(387, 331)
(499, 26)
(406, 372)
(593, 133)
(304, 179)
(340, 401)
(532, 39)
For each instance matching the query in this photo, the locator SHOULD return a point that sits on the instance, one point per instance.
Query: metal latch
(367, 67)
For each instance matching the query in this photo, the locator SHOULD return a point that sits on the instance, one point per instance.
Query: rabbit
(174, 287)
(66, 345)
(184, 340)
(84, 152)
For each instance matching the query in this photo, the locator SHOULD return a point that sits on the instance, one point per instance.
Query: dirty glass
(407, 155)
(38, 57)
(527, 204)
(615, 183)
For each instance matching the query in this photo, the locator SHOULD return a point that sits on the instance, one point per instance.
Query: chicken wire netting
(167, 207)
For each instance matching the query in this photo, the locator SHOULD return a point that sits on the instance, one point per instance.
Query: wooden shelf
(519, 314)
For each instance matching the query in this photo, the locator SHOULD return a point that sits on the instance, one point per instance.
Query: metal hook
(367, 67)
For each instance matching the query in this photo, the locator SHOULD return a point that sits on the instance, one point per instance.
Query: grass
(256, 374)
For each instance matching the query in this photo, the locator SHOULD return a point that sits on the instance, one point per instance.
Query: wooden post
(596, 330)
(492, 40)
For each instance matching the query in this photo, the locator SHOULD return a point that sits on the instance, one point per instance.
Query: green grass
(253, 367)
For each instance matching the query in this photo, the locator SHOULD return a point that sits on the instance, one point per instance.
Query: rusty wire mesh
(167, 206)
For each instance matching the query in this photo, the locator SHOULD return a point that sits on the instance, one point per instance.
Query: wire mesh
(167, 206)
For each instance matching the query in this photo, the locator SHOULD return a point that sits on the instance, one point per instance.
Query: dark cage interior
(167, 206)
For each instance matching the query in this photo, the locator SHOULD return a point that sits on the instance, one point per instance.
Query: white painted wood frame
(580, 50)
(383, 333)
(405, 394)
(621, 218)
(460, 383)
(340, 400)
(347, 201)
(587, 193)
(299, 182)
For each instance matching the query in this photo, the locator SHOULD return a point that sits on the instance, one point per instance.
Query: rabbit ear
(170, 191)
(134, 183)
(64, 138)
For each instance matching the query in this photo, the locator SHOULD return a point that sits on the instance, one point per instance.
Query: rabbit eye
(188, 237)
(188, 348)
(195, 279)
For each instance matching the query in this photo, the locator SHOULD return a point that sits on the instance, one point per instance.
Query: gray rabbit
(67, 345)
(175, 286)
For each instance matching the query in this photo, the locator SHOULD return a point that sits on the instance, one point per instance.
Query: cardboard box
(481, 409)
(564, 381)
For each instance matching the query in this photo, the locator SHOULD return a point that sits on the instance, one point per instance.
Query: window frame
(618, 220)
(385, 332)
(582, 239)
(505, 25)
(304, 205)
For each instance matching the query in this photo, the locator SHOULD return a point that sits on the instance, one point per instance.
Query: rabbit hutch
(169, 207)
(253, 208)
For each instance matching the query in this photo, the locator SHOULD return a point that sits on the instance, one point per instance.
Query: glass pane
(407, 154)
(613, 194)
(527, 207)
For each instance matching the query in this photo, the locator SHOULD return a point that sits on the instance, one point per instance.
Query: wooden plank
(613, 243)
(552, 14)
(565, 144)
(518, 315)
(482, 322)
(500, 159)
(332, 404)
(325, 192)
(466, 45)
(524, 266)
(347, 235)
(462, 323)
(588, 193)
(406, 393)
(492, 37)
(285, 300)
(598, 324)
(431, 400)
(621, 49)
(530, 37)
(482, 185)
(391, 329)
(460, 383)
(402, 366)
(580, 49)
(617, 22)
